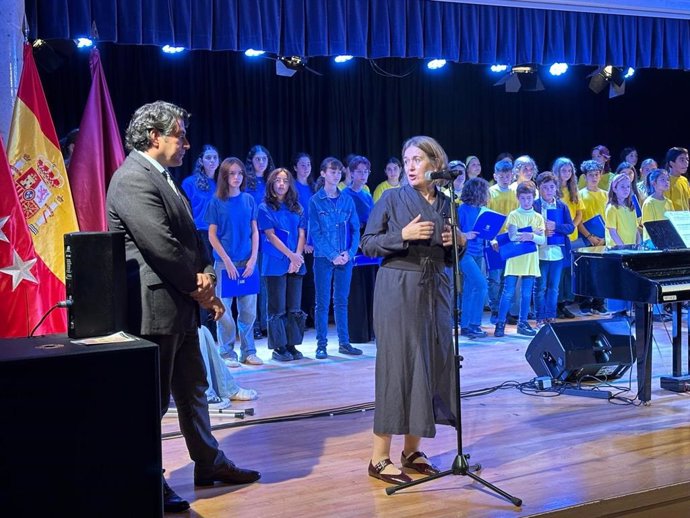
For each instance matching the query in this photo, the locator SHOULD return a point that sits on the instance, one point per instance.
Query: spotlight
(84, 42)
(342, 59)
(169, 49)
(607, 75)
(499, 68)
(629, 73)
(251, 53)
(558, 69)
(435, 64)
(523, 77)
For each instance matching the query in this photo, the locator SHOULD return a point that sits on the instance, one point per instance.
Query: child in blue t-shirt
(475, 196)
(281, 219)
(234, 235)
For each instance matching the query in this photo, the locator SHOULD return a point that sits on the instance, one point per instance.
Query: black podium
(80, 433)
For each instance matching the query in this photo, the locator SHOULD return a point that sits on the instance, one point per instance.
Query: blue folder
(363, 260)
(636, 204)
(493, 259)
(240, 286)
(488, 224)
(508, 248)
(596, 225)
(271, 250)
(556, 216)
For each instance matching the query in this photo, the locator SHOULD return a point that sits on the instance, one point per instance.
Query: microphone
(442, 175)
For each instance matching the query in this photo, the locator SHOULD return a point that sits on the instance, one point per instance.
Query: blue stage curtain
(464, 33)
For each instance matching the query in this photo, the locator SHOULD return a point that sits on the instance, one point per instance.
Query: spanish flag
(43, 192)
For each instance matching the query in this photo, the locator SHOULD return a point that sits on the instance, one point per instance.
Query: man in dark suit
(169, 274)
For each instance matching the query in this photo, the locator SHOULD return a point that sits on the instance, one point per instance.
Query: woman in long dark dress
(412, 312)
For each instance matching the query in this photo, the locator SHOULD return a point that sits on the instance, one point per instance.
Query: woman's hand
(416, 229)
(308, 249)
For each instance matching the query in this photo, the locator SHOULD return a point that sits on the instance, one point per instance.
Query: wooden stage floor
(562, 455)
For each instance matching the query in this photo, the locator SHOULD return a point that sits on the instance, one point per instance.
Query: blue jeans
(546, 293)
(227, 330)
(495, 288)
(325, 274)
(474, 288)
(509, 292)
(220, 381)
(285, 316)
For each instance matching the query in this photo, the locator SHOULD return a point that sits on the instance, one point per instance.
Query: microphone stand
(460, 465)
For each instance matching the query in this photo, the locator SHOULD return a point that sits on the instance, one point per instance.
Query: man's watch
(214, 279)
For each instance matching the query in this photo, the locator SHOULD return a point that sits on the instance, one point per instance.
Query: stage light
(169, 49)
(607, 75)
(342, 59)
(84, 43)
(558, 69)
(435, 64)
(629, 73)
(251, 53)
(523, 77)
(499, 68)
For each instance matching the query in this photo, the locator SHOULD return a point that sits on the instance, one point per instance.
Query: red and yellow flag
(42, 189)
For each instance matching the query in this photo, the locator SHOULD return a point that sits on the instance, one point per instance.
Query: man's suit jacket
(164, 252)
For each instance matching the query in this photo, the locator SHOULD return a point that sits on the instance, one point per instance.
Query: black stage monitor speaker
(582, 351)
(81, 429)
(96, 282)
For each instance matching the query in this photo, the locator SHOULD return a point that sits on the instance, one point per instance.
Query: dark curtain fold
(374, 28)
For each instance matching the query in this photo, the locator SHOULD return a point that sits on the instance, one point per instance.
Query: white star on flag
(20, 270)
(3, 236)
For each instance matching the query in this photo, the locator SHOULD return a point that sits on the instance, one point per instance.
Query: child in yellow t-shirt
(621, 227)
(502, 200)
(594, 203)
(526, 266)
(656, 205)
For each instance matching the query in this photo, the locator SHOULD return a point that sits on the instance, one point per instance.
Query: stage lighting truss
(522, 77)
(613, 77)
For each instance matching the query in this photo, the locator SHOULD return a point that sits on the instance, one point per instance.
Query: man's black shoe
(172, 502)
(226, 473)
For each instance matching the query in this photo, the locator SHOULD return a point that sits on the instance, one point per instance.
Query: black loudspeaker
(81, 433)
(96, 282)
(574, 351)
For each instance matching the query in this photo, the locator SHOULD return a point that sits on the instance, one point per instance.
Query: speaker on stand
(96, 283)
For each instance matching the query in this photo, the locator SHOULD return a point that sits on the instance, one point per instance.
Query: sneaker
(282, 355)
(244, 394)
(494, 317)
(258, 335)
(511, 320)
(233, 364)
(500, 329)
(540, 323)
(601, 309)
(218, 403)
(566, 313)
(523, 328)
(478, 331)
(348, 349)
(296, 355)
(586, 310)
(252, 359)
(321, 353)
(468, 333)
